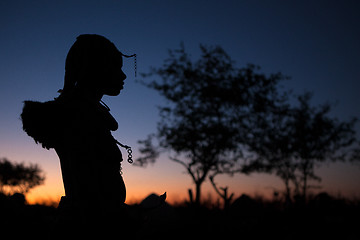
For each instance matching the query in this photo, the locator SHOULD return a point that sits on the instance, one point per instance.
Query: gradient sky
(314, 42)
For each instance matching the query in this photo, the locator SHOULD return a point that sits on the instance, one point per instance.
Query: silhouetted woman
(79, 127)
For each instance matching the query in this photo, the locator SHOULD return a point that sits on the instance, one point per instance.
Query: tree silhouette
(19, 178)
(295, 139)
(210, 104)
(222, 192)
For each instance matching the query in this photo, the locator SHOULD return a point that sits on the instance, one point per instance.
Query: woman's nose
(122, 75)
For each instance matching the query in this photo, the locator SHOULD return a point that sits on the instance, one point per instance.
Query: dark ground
(323, 217)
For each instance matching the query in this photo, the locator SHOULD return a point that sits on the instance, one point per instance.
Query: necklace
(128, 149)
(104, 105)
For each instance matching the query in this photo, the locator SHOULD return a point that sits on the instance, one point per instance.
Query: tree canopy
(210, 105)
(220, 119)
(292, 142)
(19, 178)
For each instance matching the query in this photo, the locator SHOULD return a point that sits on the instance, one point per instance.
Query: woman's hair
(87, 59)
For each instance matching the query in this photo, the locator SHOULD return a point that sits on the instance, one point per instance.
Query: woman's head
(93, 62)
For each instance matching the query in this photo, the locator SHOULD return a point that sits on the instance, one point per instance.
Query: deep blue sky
(314, 42)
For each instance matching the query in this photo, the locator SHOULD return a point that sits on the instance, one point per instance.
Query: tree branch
(188, 167)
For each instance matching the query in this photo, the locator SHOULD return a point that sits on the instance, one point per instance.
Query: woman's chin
(113, 92)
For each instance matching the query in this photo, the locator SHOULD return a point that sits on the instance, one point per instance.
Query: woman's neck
(90, 94)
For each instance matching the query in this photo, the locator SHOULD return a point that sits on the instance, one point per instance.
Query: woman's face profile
(94, 63)
(114, 77)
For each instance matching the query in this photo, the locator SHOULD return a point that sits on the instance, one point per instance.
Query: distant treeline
(322, 217)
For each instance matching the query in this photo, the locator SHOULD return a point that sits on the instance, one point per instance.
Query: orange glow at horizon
(170, 177)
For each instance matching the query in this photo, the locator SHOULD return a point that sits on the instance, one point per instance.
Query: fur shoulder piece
(41, 121)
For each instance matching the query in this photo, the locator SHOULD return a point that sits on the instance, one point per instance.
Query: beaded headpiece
(135, 62)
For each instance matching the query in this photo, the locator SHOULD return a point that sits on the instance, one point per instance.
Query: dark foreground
(323, 217)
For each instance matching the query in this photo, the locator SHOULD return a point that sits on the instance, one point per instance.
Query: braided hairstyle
(88, 60)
